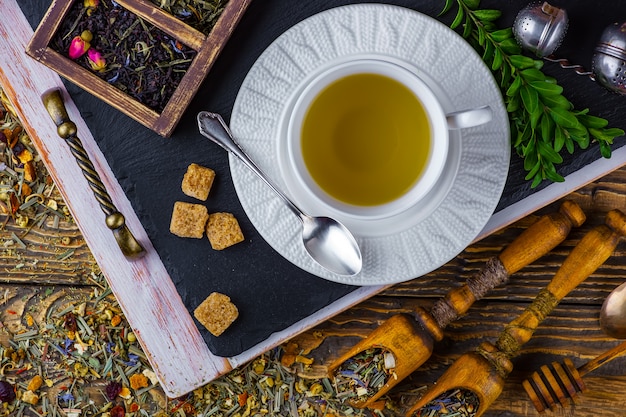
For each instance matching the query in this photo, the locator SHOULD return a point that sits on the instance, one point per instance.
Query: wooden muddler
(483, 371)
(411, 338)
(66, 129)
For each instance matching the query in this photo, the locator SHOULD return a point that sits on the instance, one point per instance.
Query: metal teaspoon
(326, 240)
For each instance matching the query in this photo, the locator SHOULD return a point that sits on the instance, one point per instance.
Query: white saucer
(434, 231)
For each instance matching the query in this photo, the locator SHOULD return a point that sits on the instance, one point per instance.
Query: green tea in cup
(366, 139)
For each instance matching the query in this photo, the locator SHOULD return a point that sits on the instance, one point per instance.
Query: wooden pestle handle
(537, 240)
(541, 237)
(591, 252)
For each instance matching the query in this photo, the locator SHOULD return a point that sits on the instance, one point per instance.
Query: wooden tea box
(203, 52)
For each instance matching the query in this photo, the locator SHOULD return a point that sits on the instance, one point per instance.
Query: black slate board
(270, 292)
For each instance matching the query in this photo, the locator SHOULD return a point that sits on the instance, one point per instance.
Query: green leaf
(472, 4)
(514, 87)
(467, 27)
(614, 132)
(548, 153)
(523, 135)
(606, 135)
(536, 181)
(447, 7)
(458, 19)
(510, 46)
(581, 138)
(530, 98)
(551, 174)
(546, 89)
(533, 74)
(497, 60)
(547, 127)
(502, 34)
(563, 117)
(569, 144)
(605, 150)
(592, 121)
(533, 171)
(513, 104)
(489, 52)
(559, 102)
(487, 15)
(482, 36)
(559, 139)
(521, 61)
(531, 156)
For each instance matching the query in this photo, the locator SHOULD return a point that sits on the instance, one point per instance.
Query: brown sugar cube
(197, 181)
(223, 230)
(216, 313)
(189, 220)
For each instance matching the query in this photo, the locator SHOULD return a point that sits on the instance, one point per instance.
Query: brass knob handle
(66, 129)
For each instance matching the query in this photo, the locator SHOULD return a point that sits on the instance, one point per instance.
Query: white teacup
(320, 171)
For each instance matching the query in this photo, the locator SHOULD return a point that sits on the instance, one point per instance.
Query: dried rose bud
(80, 45)
(7, 392)
(95, 60)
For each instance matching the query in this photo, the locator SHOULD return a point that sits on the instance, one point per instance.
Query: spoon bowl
(613, 313)
(326, 240)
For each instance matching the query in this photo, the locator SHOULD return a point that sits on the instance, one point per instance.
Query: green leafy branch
(544, 123)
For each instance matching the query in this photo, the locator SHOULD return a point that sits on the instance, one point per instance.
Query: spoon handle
(212, 126)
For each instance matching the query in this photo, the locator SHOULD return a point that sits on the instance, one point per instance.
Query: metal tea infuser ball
(541, 27)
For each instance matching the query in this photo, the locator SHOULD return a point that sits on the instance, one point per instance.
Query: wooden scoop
(554, 385)
(483, 371)
(411, 339)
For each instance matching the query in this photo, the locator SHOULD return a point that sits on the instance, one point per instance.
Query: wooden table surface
(571, 331)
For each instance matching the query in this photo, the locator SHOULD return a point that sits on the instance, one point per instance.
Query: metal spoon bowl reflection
(326, 240)
(613, 313)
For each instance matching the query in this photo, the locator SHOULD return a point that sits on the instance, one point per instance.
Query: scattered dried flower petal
(138, 381)
(117, 411)
(30, 397)
(124, 393)
(7, 392)
(35, 383)
(116, 320)
(112, 390)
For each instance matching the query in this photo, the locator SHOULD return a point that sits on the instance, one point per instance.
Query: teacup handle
(469, 118)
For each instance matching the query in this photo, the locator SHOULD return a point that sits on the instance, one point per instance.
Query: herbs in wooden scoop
(543, 121)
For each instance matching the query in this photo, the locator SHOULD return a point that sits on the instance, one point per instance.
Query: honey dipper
(554, 384)
(482, 372)
(411, 339)
(560, 382)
